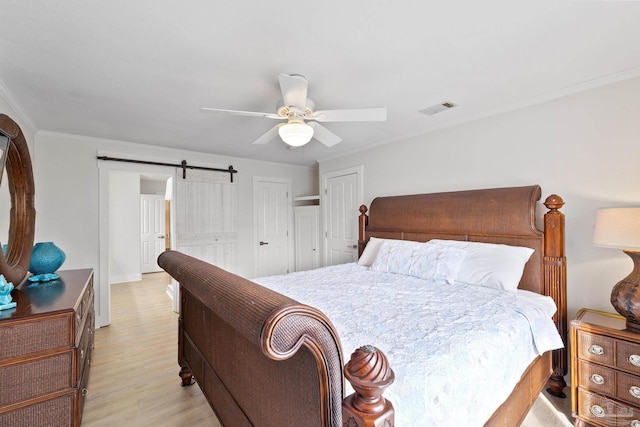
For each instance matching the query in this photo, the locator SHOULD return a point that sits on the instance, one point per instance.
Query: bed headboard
(498, 215)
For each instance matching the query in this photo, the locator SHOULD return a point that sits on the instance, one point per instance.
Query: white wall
(124, 227)
(584, 147)
(68, 204)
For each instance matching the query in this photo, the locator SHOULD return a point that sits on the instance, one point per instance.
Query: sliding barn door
(206, 217)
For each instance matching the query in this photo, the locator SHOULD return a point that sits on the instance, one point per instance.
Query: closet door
(307, 237)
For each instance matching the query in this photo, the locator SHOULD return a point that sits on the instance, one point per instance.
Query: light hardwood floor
(134, 370)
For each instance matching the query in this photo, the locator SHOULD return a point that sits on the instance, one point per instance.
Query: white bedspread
(457, 350)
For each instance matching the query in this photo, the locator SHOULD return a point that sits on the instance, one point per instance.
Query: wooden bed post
(369, 373)
(555, 279)
(363, 220)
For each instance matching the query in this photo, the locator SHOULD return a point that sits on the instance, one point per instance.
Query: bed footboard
(261, 358)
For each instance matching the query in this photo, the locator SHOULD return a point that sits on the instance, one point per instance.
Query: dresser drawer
(35, 336)
(628, 388)
(597, 409)
(57, 411)
(628, 356)
(36, 377)
(602, 411)
(596, 378)
(86, 344)
(86, 303)
(596, 348)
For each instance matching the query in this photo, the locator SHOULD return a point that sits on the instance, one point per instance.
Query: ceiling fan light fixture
(295, 134)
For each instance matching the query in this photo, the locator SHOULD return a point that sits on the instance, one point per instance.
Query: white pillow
(490, 265)
(436, 262)
(370, 251)
(394, 256)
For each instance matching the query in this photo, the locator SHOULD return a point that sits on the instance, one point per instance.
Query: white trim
(7, 95)
(103, 288)
(126, 278)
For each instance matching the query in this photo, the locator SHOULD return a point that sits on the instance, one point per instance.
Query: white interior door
(307, 250)
(152, 229)
(272, 213)
(206, 220)
(206, 217)
(342, 198)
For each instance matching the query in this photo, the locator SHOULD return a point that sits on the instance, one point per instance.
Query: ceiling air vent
(430, 111)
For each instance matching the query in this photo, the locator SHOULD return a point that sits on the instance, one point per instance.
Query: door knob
(264, 243)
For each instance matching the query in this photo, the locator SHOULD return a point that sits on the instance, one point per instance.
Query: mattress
(457, 350)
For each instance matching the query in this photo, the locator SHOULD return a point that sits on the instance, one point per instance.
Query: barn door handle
(264, 243)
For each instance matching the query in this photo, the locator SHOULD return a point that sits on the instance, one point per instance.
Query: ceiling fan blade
(294, 90)
(324, 135)
(241, 113)
(267, 136)
(376, 114)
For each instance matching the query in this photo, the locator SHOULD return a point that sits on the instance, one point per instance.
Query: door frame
(290, 242)
(359, 171)
(102, 289)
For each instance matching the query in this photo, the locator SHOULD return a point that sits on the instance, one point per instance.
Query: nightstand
(605, 370)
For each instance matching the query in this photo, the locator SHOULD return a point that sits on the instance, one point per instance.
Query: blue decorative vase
(46, 258)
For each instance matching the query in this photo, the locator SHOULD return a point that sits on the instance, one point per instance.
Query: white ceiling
(139, 70)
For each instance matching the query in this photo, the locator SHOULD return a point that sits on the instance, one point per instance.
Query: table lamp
(620, 228)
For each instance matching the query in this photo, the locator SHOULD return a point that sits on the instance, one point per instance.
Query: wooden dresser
(605, 370)
(45, 351)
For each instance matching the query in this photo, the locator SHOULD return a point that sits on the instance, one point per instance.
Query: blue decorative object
(5, 294)
(46, 258)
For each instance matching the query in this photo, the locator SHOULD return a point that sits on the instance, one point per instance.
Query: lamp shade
(618, 228)
(295, 134)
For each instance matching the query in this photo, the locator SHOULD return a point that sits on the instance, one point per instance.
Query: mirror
(5, 199)
(14, 264)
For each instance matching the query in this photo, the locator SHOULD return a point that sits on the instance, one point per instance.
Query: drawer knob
(634, 359)
(634, 391)
(596, 349)
(597, 379)
(597, 411)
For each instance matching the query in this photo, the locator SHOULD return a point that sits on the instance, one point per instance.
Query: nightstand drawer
(597, 409)
(597, 378)
(628, 357)
(596, 348)
(628, 388)
(600, 410)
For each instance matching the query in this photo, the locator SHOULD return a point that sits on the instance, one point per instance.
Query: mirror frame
(14, 265)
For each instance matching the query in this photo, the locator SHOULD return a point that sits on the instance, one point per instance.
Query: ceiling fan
(302, 121)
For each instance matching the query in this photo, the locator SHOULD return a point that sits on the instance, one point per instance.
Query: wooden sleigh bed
(264, 359)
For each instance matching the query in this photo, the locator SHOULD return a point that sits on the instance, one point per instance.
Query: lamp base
(625, 295)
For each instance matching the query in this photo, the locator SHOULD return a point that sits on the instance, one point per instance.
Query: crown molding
(22, 118)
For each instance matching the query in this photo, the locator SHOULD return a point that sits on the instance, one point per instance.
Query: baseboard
(125, 278)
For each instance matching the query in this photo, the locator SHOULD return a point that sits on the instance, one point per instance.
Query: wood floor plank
(134, 369)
